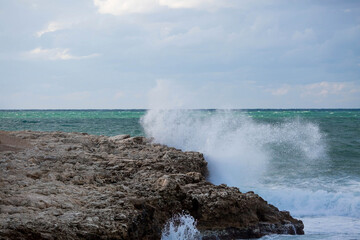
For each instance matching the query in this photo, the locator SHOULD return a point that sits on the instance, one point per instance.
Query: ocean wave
(238, 149)
(259, 156)
(304, 202)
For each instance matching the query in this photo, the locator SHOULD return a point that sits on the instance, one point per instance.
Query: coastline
(81, 186)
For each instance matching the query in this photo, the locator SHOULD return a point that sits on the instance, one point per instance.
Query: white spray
(181, 227)
(242, 152)
(278, 160)
(236, 148)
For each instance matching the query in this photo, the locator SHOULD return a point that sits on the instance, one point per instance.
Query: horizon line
(145, 109)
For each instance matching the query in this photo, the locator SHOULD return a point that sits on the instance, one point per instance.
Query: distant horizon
(144, 109)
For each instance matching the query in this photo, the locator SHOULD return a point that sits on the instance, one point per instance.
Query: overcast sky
(191, 53)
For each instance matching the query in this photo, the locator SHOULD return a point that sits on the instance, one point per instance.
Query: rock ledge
(56, 185)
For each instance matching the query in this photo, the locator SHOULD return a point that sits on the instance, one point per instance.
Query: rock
(9, 143)
(119, 137)
(57, 185)
(196, 176)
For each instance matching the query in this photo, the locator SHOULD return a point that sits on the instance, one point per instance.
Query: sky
(127, 54)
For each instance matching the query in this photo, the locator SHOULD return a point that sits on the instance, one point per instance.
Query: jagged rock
(56, 185)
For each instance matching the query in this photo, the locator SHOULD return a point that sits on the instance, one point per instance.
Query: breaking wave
(237, 148)
(278, 160)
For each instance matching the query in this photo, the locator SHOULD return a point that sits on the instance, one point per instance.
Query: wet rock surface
(56, 185)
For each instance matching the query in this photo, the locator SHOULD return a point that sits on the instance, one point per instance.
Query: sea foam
(237, 148)
(277, 160)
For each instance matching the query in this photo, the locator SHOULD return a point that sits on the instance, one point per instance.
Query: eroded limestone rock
(56, 185)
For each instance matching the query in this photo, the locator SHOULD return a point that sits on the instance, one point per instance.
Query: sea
(306, 161)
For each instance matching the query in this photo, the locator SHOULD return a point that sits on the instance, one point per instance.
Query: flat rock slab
(56, 185)
(11, 143)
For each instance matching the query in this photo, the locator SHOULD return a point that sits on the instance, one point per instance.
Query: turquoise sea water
(304, 161)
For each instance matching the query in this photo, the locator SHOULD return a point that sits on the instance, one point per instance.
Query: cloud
(307, 34)
(194, 36)
(51, 27)
(324, 89)
(116, 7)
(168, 94)
(314, 95)
(120, 7)
(272, 43)
(279, 91)
(55, 54)
(119, 95)
(192, 3)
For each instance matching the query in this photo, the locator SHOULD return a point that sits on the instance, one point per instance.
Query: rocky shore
(56, 185)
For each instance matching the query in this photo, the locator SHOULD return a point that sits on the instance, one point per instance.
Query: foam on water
(237, 149)
(281, 161)
(304, 202)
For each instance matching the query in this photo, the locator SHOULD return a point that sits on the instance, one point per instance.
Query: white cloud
(355, 90)
(167, 94)
(55, 54)
(323, 89)
(120, 7)
(194, 36)
(51, 27)
(279, 91)
(192, 3)
(119, 95)
(307, 34)
(317, 93)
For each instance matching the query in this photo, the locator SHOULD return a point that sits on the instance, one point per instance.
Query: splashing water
(285, 162)
(303, 161)
(181, 227)
(236, 148)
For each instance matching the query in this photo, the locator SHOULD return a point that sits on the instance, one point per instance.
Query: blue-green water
(304, 161)
(100, 122)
